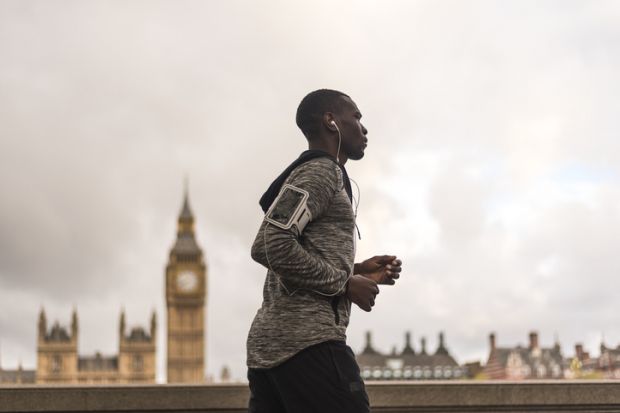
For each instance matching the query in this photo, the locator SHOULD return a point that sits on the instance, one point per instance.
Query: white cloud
(492, 166)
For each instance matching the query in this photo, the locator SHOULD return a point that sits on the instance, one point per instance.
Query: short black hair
(312, 108)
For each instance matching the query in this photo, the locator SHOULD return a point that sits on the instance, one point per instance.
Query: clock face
(187, 281)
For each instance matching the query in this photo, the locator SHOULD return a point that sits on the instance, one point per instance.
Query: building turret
(122, 325)
(408, 349)
(20, 373)
(74, 324)
(441, 349)
(136, 354)
(57, 359)
(186, 249)
(186, 218)
(153, 325)
(423, 342)
(368, 349)
(42, 324)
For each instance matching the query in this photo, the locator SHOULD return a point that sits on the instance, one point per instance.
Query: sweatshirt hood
(274, 189)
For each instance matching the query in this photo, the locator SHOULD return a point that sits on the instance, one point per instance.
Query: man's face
(353, 133)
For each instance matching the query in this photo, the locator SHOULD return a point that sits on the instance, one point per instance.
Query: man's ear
(329, 121)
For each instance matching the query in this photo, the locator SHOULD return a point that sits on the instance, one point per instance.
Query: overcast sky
(492, 168)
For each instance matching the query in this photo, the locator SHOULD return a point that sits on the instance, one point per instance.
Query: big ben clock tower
(186, 285)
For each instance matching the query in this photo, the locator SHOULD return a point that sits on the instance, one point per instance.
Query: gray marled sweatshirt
(305, 273)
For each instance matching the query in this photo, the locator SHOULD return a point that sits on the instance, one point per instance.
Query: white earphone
(333, 122)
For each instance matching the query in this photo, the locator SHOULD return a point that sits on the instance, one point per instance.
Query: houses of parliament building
(185, 287)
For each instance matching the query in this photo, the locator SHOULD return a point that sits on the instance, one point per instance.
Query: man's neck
(330, 148)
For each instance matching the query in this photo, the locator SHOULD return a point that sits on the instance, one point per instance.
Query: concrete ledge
(396, 397)
(496, 396)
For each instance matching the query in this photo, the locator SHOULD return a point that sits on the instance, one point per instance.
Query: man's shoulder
(320, 168)
(320, 162)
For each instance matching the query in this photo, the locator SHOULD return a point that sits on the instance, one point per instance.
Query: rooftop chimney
(492, 341)
(579, 351)
(533, 340)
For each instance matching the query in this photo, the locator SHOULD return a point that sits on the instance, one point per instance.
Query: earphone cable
(356, 202)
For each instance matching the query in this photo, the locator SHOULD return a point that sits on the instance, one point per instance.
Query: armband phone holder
(290, 208)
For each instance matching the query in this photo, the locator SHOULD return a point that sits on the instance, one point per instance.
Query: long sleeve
(283, 252)
(280, 251)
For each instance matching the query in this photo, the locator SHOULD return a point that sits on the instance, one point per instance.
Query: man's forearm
(280, 251)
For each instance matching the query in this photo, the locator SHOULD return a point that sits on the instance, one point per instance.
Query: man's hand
(382, 269)
(362, 291)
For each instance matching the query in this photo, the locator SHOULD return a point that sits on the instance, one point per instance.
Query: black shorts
(323, 378)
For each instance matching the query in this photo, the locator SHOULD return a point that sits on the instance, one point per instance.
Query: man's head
(325, 115)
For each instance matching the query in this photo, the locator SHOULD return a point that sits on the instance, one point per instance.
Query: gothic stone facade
(18, 376)
(186, 287)
(58, 360)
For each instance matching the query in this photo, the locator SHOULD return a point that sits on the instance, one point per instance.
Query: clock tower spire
(186, 286)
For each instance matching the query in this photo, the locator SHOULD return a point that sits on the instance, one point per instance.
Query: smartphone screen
(286, 206)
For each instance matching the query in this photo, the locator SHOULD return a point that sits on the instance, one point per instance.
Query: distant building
(473, 369)
(186, 290)
(18, 376)
(531, 362)
(58, 360)
(582, 365)
(609, 362)
(409, 364)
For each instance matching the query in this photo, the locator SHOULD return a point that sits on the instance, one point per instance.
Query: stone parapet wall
(394, 397)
